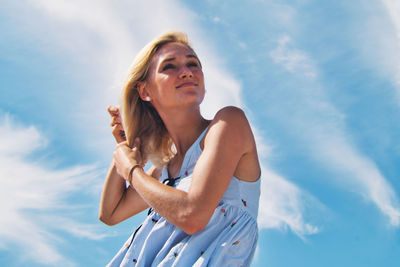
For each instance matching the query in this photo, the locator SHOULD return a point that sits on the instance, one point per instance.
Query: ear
(143, 92)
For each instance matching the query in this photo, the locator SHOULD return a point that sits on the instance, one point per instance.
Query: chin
(193, 100)
(193, 96)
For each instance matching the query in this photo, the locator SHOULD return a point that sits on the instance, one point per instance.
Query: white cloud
(30, 140)
(137, 22)
(216, 19)
(320, 124)
(125, 28)
(295, 61)
(283, 205)
(367, 177)
(393, 10)
(28, 190)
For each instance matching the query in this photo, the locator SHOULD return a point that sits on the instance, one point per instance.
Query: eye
(192, 64)
(168, 66)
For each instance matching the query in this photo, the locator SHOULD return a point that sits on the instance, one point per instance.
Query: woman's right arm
(119, 202)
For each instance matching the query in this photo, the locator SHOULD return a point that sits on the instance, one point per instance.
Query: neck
(184, 127)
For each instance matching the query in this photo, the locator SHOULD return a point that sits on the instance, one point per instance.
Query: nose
(185, 73)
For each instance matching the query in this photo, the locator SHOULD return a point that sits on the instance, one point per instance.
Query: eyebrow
(173, 58)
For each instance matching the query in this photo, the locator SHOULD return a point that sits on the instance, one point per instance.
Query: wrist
(130, 174)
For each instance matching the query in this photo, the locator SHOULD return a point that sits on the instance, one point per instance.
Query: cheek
(201, 80)
(158, 85)
(199, 76)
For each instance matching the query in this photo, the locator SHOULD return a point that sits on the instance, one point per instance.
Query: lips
(186, 84)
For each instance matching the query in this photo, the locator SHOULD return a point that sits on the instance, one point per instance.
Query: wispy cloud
(29, 191)
(371, 184)
(222, 88)
(284, 205)
(393, 10)
(295, 61)
(323, 127)
(121, 36)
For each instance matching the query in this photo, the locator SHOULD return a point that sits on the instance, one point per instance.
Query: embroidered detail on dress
(233, 224)
(235, 243)
(134, 261)
(201, 252)
(244, 202)
(175, 254)
(223, 211)
(154, 220)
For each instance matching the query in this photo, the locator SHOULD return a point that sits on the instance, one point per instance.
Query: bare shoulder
(233, 119)
(231, 114)
(230, 124)
(230, 138)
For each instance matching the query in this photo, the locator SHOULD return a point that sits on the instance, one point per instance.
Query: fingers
(116, 124)
(136, 144)
(115, 120)
(115, 115)
(118, 133)
(137, 141)
(124, 155)
(113, 110)
(122, 144)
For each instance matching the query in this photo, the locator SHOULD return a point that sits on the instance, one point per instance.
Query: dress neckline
(188, 154)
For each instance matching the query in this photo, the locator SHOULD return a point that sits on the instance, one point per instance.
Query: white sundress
(229, 238)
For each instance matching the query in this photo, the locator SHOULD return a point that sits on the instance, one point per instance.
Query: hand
(125, 158)
(116, 124)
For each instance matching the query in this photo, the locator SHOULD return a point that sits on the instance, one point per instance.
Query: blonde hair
(139, 117)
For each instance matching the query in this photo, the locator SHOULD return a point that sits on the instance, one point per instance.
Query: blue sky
(319, 81)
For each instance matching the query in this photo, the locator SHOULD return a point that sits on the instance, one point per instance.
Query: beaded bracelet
(131, 172)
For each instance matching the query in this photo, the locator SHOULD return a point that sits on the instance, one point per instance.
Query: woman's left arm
(228, 139)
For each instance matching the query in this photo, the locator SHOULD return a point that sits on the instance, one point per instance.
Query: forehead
(172, 50)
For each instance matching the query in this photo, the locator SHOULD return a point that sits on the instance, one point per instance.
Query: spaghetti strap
(202, 134)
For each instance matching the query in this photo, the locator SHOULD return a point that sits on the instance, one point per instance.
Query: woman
(204, 214)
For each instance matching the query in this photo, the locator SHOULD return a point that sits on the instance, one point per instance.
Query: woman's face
(175, 78)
